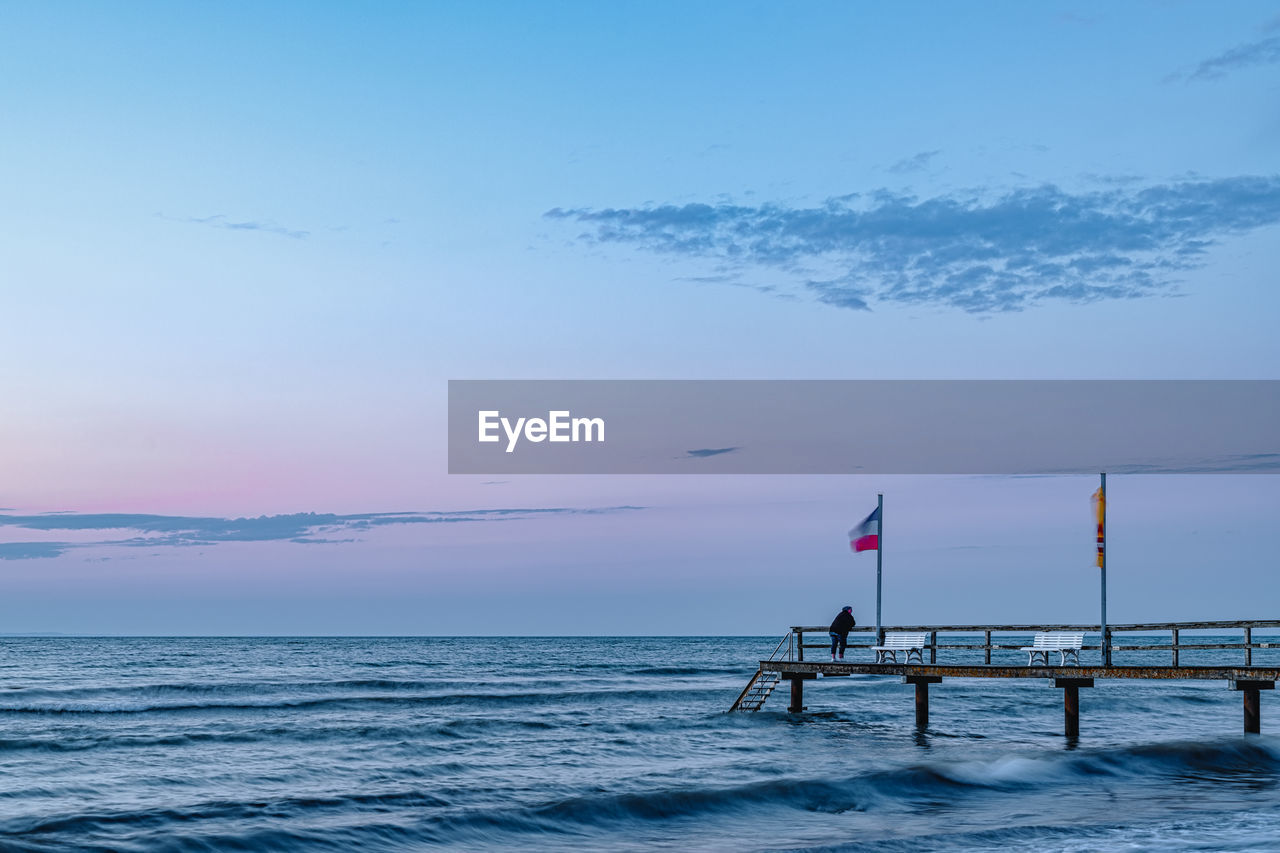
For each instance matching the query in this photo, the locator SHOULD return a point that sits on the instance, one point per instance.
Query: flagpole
(1102, 564)
(880, 562)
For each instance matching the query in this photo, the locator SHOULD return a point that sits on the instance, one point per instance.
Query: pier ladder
(762, 684)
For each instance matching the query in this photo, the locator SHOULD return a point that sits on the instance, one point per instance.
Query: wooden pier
(788, 663)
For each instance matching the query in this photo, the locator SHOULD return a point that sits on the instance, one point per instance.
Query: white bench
(894, 643)
(1066, 645)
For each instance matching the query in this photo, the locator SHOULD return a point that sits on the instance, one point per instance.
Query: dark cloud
(708, 451)
(1263, 52)
(304, 528)
(978, 254)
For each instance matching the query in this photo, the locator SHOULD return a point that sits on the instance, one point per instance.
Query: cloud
(916, 163)
(31, 550)
(731, 279)
(1073, 18)
(220, 221)
(977, 253)
(708, 451)
(1263, 52)
(140, 530)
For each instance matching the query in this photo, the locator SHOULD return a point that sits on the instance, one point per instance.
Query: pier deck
(1209, 673)
(787, 663)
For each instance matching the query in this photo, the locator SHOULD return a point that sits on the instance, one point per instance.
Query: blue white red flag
(866, 536)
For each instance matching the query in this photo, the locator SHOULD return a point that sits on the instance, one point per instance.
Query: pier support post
(1252, 705)
(922, 683)
(797, 689)
(1071, 702)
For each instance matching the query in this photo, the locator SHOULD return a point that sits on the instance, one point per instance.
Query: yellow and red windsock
(1100, 515)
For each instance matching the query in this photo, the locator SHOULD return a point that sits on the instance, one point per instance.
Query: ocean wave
(416, 737)
(944, 782)
(441, 815)
(238, 702)
(1220, 760)
(219, 688)
(690, 670)
(226, 810)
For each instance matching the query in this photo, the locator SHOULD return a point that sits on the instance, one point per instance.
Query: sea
(482, 743)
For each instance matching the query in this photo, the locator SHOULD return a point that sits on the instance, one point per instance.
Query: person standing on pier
(840, 627)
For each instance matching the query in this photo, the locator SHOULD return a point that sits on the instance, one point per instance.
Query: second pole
(879, 565)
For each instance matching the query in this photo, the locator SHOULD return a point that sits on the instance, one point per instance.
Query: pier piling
(1252, 713)
(1071, 702)
(1252, 705)
(922, 683)
(797, 690)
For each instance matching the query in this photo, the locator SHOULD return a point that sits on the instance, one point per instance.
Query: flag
(1100, 515)
(866, 536)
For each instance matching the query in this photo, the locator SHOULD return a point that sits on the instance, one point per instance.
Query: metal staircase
(753, 696)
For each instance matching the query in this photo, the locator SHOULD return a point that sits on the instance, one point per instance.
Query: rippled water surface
(591, 744)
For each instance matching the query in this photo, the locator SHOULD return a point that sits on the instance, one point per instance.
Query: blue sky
(245, 247)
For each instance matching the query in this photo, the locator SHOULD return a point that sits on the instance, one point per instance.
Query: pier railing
(1175, 646)
(787, 647)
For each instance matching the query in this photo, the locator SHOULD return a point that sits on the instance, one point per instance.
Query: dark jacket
(843, 623)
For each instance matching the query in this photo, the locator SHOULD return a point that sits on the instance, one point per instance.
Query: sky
(245, 247)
